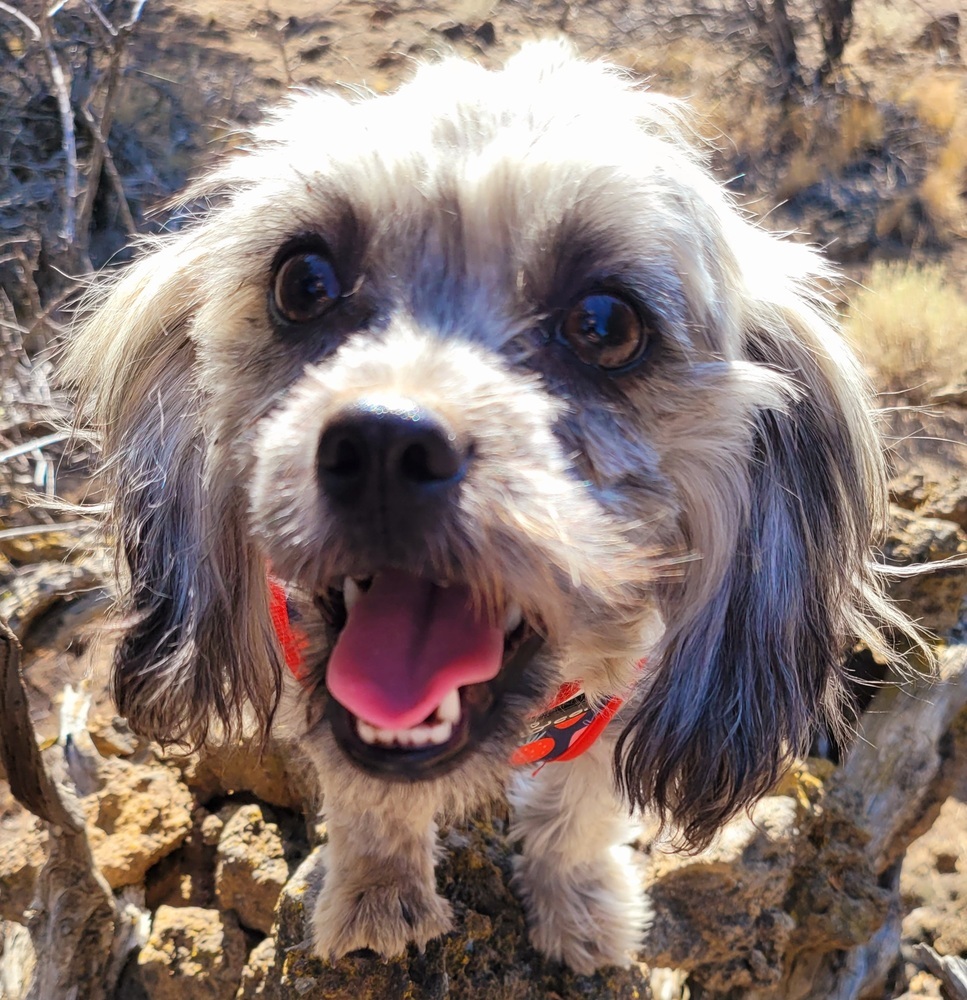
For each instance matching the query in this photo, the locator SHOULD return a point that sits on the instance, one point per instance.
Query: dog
(481, 409)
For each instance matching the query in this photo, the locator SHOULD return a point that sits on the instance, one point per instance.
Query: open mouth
(418, 675)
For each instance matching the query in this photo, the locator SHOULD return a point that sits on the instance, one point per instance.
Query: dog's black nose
(388, 459)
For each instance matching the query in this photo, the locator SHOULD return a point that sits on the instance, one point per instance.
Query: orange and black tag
(564, 730)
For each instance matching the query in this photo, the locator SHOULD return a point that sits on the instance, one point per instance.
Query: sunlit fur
(709, 512)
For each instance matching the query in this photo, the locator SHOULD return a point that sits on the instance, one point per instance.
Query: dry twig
(76, 920)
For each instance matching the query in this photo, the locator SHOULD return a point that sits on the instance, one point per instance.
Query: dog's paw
(384, 918)
(586, 917)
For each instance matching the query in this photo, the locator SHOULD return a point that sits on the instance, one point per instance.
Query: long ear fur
(196, 645)
(746, 677)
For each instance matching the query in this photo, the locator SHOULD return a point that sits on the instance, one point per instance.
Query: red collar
(564, 730)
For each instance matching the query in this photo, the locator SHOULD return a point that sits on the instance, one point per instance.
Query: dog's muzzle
(418, 671)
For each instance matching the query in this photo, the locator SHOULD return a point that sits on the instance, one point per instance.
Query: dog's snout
(390, 457)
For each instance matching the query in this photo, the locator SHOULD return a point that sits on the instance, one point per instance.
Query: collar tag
(565, 730)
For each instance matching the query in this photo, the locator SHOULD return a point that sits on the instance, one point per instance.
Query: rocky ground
(215, 860)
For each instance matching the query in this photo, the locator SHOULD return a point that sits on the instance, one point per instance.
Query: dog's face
(491, 374)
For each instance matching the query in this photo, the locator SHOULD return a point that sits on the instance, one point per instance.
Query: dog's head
(494, 377)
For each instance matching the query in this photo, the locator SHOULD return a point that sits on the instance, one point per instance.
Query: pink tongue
(406, 644)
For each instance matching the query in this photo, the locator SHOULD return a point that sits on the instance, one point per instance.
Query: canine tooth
(449, 708)
(441, 732)
(512, 618)
(350, 592)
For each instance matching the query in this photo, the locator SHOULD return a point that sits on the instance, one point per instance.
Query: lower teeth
(417, 736)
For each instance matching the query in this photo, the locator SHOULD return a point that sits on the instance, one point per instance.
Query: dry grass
(909, 324)
(937, 99)
(942, 189)
(827, 137)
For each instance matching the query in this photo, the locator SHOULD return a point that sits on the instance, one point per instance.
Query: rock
(186, 877)
(255, 974)
(933, 598)
(272, 775)
(933, 883)
(113, 737)
(952, 394)
(192, 954)
(251, 868)
(922, 986)
(946, 500)
(720, 913)
(941, 34)
(211, 829)
(142, 813)
(23, 850)
(909, 490)
(485, 957)
(138, 814)
(17, 960)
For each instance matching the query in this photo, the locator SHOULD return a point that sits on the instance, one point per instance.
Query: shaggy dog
(490, 392)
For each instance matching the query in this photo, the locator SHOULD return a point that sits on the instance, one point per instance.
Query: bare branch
(104, 22)
(102, 159)
(62, 92)
(949, 969)
(29, 530)
(22, 17)
(100, 130)
(76, 920)
(36, 445)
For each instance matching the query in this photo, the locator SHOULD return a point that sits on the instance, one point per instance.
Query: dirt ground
(202, 69)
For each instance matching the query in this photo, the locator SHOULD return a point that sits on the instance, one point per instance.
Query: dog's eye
(305, 285)
(605, 331)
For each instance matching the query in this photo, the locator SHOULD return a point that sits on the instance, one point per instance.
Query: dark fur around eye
(304, 283)
(606, 331)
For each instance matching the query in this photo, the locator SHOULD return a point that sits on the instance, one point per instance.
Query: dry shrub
(860, 127)
(802, 171)
(937, 99)
(827, 137)
(751, 127)
(942, 189)
(909, 324)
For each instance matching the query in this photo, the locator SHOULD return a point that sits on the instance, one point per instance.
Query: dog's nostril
(341, 456)
(432, 458)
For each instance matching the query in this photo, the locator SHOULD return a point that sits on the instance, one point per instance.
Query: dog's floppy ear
(196, 644)
(753, 657)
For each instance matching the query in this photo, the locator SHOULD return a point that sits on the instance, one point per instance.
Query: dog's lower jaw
(584, 901)
(379, 890)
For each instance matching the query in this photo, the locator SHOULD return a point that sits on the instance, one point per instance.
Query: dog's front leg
(581, 890)
(379, 890)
